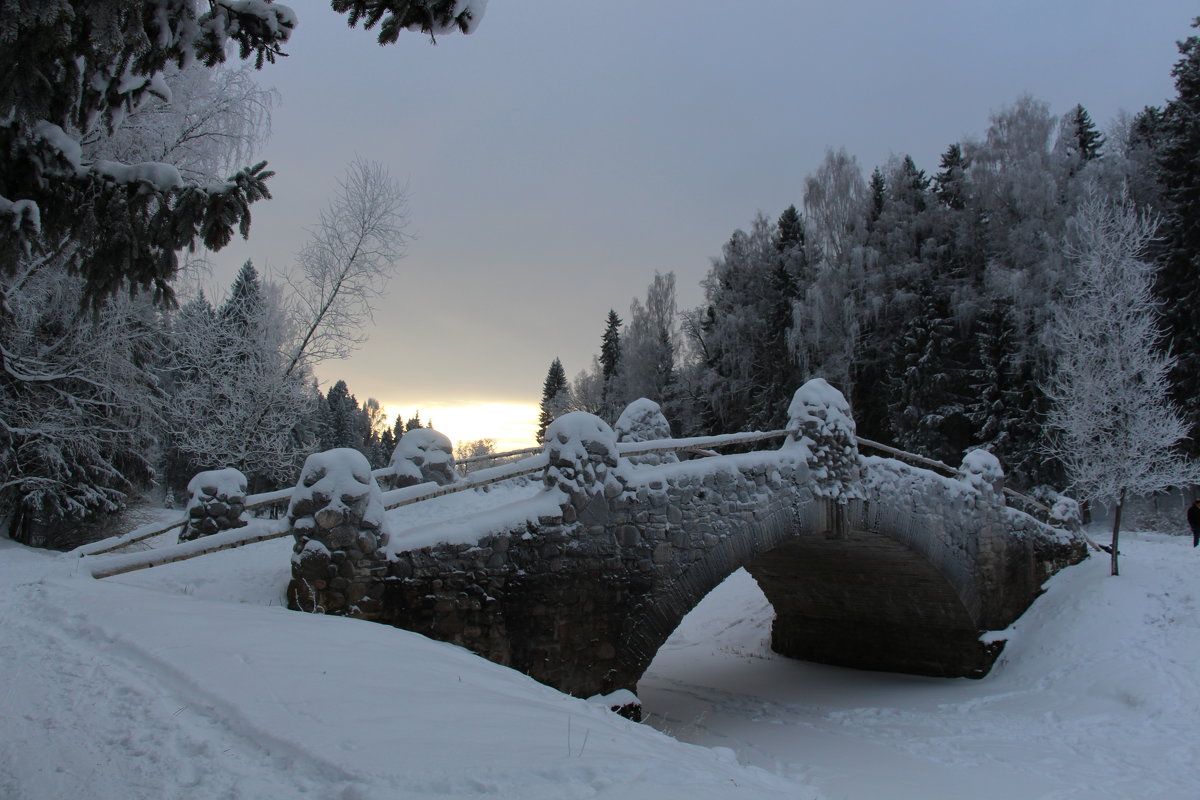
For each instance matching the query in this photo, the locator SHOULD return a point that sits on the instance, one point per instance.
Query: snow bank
(116, 691)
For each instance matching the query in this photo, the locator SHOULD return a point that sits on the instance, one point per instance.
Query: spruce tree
(949, 184)
(929, 389)
(554, 397)
(76, 67)
(878, 192)
(610, 346)
(1087, 139)
(1178, 284)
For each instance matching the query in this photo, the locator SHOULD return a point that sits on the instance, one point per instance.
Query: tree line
(927, 298)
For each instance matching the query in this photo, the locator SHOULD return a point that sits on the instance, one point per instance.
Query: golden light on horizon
(512, 425)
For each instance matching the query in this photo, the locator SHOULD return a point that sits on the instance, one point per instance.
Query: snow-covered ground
(191, 681)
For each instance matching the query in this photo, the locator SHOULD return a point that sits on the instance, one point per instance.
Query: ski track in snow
(151, 720)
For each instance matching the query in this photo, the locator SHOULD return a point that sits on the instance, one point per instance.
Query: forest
(929, 297)
(934, 299)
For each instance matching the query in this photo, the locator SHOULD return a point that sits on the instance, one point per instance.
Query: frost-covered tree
(233, 404)
(649, 346)
(1113, 425)
(746, 332)
(347, 261)
(79, 406)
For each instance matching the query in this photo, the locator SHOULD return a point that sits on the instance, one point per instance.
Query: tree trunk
(1117, 530)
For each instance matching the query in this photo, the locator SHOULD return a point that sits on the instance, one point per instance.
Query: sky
(565, 151)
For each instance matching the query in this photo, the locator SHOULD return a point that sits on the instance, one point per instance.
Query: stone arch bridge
(867, 562)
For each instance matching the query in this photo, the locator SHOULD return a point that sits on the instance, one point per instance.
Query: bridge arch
(867, 562)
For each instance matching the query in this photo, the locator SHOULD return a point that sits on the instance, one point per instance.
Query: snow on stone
(1065, 512)
(425, 454)
(643, 421)
(341, 476)
(982, 471)
(228, 481)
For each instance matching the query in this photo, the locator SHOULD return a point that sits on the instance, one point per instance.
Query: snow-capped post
(982, 471)
(643, 421)
(1065, 513)
(819, 422)
(422, 455)
(217, 503)
(582, 460)
(336, 514)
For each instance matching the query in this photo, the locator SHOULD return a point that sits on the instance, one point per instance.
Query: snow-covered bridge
(868, 562)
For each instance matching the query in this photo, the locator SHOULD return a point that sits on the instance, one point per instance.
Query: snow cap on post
(217, 503)
(820, 424)
(982, 471)
(643, 421)
(421, 455)
(336, 500)
(1065, 513)
(582, 457)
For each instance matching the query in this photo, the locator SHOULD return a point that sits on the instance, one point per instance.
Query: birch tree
(348, 260)
(1112, 424)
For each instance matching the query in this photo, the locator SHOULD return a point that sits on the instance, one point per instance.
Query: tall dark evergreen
(554, 397)
(610, 362)
(930, 391)
(1178, 286)
(1007, 407)
(1087, 140)
(245, 298)
(949, 183)
(345, 420)
(878, 193)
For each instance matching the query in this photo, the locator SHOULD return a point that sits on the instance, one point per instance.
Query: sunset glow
(512, 425)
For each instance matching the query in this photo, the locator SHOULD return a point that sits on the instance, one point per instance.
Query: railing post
(643, 421)
(422, 455)
(982, 471)
(821, 425)
(582, 460)
(217, 503)
(336, 514)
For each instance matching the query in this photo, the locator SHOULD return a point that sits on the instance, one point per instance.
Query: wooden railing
(408, 495)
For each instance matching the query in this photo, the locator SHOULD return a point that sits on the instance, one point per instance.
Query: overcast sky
(567, 149)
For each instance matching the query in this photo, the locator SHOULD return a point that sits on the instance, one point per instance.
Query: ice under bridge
(601, 542)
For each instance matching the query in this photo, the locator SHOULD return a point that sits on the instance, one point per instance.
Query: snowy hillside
(189, 681)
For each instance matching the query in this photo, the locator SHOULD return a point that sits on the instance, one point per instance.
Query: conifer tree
(75, 66)
(929, 383)
(949, 184)
(1087, 140)
(555, 396)
(1178, 282)
(877, 187)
